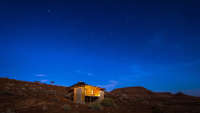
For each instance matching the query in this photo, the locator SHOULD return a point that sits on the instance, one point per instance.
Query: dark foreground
(32, 97)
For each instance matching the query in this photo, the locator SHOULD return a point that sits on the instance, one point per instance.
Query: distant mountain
(34, 97)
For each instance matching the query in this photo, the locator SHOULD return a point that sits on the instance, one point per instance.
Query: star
(49, 10)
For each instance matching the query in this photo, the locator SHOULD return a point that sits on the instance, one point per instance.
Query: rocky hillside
(33, 97)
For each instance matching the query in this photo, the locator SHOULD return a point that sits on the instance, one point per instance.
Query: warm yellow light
(92, 91)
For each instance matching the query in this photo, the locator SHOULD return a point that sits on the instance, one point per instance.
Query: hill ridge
(18, 96)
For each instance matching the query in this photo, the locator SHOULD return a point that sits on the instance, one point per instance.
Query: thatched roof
(79, 84)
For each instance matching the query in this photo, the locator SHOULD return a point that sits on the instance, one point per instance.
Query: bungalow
(83, 93)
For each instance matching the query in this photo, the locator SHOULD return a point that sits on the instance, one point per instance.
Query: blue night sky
(108, 43)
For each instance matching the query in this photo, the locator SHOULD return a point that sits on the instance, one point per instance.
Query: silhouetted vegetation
(107, 102)
(52, 82)
(4, 92)
(67, 107)
(156, 109)
(179, 94)
(95, 106)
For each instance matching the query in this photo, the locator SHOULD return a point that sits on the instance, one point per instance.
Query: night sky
(107, 43)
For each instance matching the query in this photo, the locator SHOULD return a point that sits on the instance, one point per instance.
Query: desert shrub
(9, 111)
(37, 82)
(179, 94)
(107, 102)
(95, 106)
(156, 109)
(5, 92)
(67, 107)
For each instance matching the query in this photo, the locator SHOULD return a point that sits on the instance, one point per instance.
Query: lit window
(92, 92)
